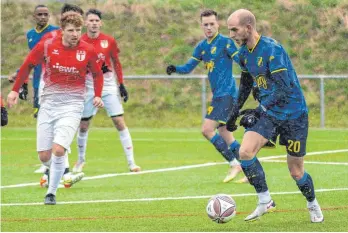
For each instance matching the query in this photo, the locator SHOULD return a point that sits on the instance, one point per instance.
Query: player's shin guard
(305, 184)
(234, 148)
(82, 144)
(56, 173)
(255, 174)
(222, 147)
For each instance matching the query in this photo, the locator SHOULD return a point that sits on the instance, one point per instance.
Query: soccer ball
(221, 208)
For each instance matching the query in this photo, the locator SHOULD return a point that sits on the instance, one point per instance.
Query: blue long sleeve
(188, 67)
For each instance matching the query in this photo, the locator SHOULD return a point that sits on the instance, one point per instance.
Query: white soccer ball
(221, 208)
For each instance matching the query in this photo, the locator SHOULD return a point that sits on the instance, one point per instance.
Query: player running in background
(217, 52)
(108, 51)
(66, 60)
(282, 111)
(41, 16)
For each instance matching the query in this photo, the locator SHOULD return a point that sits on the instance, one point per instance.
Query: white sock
(82, 145)
(312, 203)
(67, 165)
(264, 197)
(56, 173)
(234, 162)
(127, 145)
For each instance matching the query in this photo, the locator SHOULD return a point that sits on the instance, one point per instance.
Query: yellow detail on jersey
(222, 122)
(203, 52)
(245, 61)
(210, 109)
(210, 66)
(234, 54)
(195, 58)
(275, 71)
(259, 61)
(252, 50)
(213, 50)
(209, 41)
(228, 45)
(39, 31)
(271, 58)
(261, 82)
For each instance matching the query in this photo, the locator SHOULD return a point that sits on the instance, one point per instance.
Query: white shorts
(57, 125)
(112, 104)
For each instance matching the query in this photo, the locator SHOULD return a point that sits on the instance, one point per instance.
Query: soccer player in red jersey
(67, 60)
(108, 51)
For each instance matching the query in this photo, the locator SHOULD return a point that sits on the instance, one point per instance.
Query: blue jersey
(33, 37)
(272, 71)
(217, 56)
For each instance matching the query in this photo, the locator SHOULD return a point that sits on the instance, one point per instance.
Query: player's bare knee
(246, 153)
(44, 156)
(58, 150)
(296, 174)
(207, 131)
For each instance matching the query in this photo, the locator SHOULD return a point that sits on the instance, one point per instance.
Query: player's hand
(231, 122)
(97, 102)
(12, 99)
(123, 92)
(105, 68)
(12, 77)
(250, 117)
(171, 69)
(4, 118)
(23, 91)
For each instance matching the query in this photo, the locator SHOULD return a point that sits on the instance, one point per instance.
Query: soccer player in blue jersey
(217, 52)
(41, 16)
(282, 111)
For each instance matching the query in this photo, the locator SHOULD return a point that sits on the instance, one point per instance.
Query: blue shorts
(220, 108)
(292, 133)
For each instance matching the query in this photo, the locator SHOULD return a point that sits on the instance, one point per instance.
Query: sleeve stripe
(195, 59)
(275, 71)
(245, 71)
(234, 54)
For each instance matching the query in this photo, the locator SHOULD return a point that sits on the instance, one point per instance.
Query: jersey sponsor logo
(259, 61)
(80, 55)
(210, 66)
(55, 51)
(66, 69)
(271, 58)
(101, 57)
(104, 44)
(261, 82)
(213, 50)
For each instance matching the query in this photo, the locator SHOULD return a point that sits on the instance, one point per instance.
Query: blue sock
(255, 174)
(222, 147)
(234, 148)
(305, 184)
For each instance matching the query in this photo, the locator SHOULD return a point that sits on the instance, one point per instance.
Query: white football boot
(315, 211)
(261, 209)
(134, 168)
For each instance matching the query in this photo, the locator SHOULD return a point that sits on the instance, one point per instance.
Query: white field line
(175, 168)
(147, 139)
(164, 198)
(306, 162)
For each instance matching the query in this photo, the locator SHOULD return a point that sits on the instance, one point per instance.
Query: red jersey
(107, 50)
(52, 34)
(65, 67)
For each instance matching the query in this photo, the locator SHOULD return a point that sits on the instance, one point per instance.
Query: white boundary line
(306, 162)
(164, 198)
(180, 168)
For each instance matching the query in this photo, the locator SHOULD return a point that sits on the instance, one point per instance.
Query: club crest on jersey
(213, 50)
(80, 55)
(104, 44)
